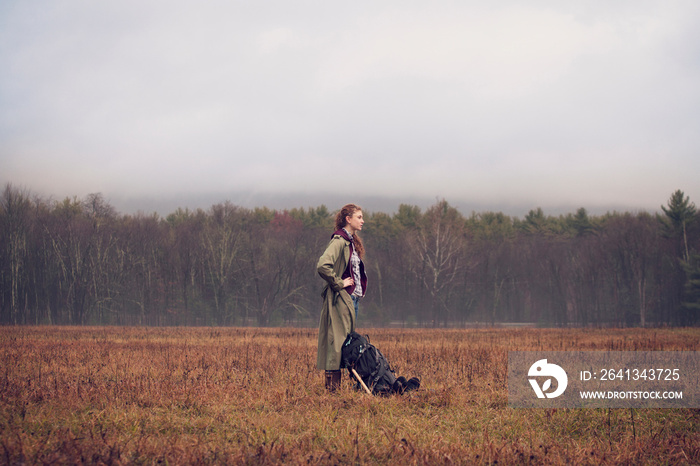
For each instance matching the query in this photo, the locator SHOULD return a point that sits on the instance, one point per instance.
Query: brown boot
(333, 380)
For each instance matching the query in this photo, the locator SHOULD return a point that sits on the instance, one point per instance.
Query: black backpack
(372, 367)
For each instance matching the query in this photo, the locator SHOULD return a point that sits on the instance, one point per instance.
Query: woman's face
(355, 221)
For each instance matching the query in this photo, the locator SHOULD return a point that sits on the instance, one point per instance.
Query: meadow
(129, 395)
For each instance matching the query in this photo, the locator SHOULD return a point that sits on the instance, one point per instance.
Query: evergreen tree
(582, 223)
(680, 213)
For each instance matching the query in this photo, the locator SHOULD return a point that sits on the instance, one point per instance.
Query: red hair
(349, 210)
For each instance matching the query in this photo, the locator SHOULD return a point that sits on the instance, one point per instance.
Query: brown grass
(243, 395)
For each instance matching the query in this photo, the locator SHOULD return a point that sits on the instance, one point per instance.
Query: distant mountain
(166, 204)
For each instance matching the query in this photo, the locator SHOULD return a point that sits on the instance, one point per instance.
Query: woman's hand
(348, 282)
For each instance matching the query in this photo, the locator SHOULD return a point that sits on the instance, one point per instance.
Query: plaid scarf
(355, 264)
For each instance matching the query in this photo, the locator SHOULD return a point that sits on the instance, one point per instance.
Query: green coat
(338, 313)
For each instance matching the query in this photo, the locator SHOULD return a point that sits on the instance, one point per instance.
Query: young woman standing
(342, 268)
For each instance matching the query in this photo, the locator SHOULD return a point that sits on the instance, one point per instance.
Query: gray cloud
(535, 103)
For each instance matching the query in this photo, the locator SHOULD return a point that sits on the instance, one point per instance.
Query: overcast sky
(505, 106)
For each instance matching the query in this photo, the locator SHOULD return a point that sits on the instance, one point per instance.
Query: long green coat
(338, 313)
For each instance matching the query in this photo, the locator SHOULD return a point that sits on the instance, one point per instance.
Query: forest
(80, 262)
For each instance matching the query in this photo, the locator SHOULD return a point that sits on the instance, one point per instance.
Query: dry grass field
(252, 396)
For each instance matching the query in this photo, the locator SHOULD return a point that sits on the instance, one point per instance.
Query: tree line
(80, 262)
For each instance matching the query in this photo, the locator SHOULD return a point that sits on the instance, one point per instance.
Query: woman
(342, 268)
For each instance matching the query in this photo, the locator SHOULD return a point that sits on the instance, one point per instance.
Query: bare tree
(223, 242)
(15, 205)
(438, 246)
(275, 265)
